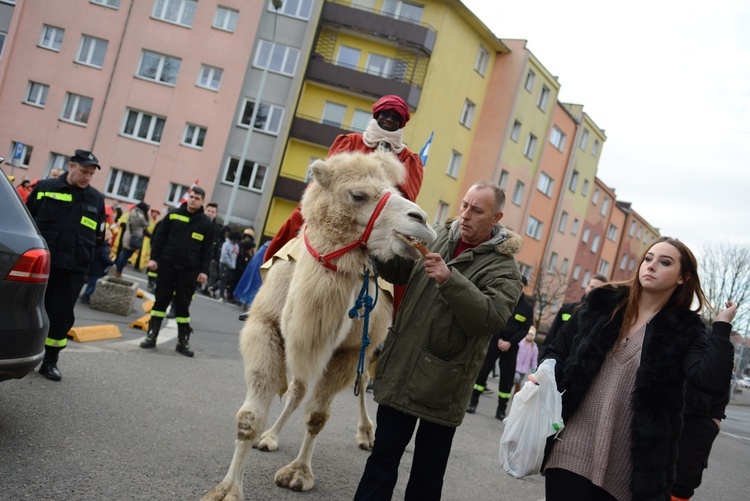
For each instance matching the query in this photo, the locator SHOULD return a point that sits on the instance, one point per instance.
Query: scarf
(374, 135)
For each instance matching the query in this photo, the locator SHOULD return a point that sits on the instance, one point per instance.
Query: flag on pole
(426, 149)
(185, 196)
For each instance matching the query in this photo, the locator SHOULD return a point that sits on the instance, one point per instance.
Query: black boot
(153, 331)
(502, 404)
(49, 368)
(183, 336)
(474, 401)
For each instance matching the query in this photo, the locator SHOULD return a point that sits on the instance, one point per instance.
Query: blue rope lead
(364, 302)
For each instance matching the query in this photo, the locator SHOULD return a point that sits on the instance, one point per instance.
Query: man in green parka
(457, 296)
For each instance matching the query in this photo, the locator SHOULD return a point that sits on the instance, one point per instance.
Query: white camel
(298, 320)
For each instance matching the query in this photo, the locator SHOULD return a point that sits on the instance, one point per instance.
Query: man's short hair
(213, 204)
(601, 278)
(199, 191)
(499, 193)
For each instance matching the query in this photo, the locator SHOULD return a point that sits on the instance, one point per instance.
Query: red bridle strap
(362, 242)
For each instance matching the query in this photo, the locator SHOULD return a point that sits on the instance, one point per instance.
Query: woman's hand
(727, 315)
(533, 379)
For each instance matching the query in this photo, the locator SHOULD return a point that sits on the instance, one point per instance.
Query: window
(595, 149)
(194, 136)
(25, 155)
(530, 148)
(515, 132)
(467, 114)
(585, 237)
(253, 174)
(36, 94)
(3, 36)
(543, 98)
(585, 280)
(612, 232)
(360, 120)
(573, 181)
(632, 228)
(530, 77)
(565, 266)
(180, 12)
(140, 125)
(51, 37)
(277, 58)
(403, 10)
(126, 185)
(309, 174)
(534, 229)
(595, 198)
(518, 193)
(563, 222)
(483, 57)
(454, 165)
(92, 51)
(225, 19)
(175, 193)
(595, 244)
(631, 265)
(77, 108)
(525, 270)
(442, 212)
(585, 139)
(348, 57)
(386, 67)
(158, 67)
(57, 161)
(576, 272)
(574, 228)
(624, 261)
(546, 184)
(333, 114)
(107, 3)
(552, 263)
(268, 118)
(295, 8)
(603, 267)
(585, 189)
(605, 207)
(557, 138)
(503, 182)
(209, 77)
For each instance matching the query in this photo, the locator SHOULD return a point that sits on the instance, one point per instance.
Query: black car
(24, 271)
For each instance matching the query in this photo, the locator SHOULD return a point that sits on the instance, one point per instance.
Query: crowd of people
(624, 353)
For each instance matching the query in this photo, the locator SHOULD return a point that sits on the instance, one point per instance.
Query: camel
(298, 320)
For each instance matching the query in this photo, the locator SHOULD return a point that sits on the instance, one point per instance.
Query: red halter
(362, 242)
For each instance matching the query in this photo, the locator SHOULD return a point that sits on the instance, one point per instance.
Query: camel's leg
(339, 375)
(365, 429)
(269, 440)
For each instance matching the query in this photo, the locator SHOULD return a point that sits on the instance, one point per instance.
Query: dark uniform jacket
(184, 241)
(675, 349)
(563, 315)
(70, 219)
(518, 323)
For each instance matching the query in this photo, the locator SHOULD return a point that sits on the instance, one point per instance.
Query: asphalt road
(131, 424)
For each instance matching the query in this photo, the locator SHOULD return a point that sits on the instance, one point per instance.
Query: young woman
(622, 360)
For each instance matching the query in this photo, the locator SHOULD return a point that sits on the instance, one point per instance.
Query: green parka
(438, 341)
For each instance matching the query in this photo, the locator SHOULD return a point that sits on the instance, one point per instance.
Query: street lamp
(258, 102)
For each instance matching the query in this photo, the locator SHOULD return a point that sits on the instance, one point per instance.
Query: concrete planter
(114, 295)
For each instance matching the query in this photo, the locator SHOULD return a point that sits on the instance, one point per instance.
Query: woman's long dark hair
(683, 295)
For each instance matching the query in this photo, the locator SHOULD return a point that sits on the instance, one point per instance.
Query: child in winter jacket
(528, 352)
(228, 260)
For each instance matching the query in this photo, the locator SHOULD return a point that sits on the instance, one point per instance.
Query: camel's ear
(321, 172)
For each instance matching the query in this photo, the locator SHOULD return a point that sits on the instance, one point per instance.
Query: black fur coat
(675, 347)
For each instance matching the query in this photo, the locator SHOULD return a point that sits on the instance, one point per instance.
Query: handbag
(535, 415)
(135, 242)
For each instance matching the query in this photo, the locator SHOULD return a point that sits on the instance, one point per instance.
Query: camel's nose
(419, 216)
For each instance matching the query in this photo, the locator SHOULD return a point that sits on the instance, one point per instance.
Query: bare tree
(725, 274)
(548, 290)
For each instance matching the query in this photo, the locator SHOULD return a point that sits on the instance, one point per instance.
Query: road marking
(735, 436)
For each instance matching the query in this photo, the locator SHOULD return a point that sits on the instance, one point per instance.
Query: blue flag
(426, 150)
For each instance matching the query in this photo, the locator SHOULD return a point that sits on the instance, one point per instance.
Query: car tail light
(32, 266)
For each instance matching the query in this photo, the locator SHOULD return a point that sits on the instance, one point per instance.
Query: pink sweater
(527, 357)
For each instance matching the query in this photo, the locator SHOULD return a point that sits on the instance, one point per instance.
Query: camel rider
(181, 253)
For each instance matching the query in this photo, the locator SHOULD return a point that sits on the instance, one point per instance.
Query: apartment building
(637, 234)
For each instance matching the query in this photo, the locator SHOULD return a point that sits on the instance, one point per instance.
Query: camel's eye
(358, 197)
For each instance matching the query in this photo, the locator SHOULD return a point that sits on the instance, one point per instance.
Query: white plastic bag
(536, 413)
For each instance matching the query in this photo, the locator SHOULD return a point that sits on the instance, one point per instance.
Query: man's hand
(202, 278)
(436, 268)
(151, 265)
(503, 345)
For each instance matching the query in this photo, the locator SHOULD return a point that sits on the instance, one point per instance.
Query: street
(133, 424)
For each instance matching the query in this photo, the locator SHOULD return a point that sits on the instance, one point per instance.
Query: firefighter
(70, 215)
(181, 254)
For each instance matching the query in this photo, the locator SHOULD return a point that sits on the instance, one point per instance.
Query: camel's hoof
(295, 476)
(224, 492)
(365, 437)
(246, 422)
(269, 442)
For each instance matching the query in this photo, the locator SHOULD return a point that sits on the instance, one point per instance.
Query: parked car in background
(744, 382)
(24, 272)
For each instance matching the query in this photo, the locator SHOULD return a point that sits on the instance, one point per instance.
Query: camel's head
(338, 206)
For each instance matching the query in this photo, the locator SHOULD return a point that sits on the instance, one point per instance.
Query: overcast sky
(669, 82)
